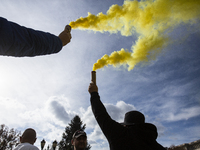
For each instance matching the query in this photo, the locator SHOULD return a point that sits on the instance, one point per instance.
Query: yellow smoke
(150, 19)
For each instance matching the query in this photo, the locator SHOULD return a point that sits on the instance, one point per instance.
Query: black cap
(79, 133)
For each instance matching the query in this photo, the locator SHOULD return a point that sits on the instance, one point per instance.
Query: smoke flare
(150, 19)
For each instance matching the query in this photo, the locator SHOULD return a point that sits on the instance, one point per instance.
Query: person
(79, 140)
(19, 41)
(133, 133)
(27, 140)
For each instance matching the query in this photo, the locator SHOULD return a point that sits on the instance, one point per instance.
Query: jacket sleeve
(109, 127)
(18, 41)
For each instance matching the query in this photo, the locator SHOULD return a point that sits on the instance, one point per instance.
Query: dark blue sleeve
(18, 41)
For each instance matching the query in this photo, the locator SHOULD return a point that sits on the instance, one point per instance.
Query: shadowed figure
(27, 140)
(133, 133)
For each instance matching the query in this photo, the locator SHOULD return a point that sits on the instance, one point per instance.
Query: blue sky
(46, 92)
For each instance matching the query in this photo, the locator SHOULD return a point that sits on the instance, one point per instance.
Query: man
(132, 134)
(79, 140)
(27, 140)
(18, 41)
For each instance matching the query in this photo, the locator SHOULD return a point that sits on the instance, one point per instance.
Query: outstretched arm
(109, 127)
(18, 41)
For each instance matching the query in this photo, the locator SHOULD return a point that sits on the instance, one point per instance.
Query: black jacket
(136, 137)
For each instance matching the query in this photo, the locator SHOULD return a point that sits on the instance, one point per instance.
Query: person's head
(29, 136)
(133, 117)
(79, 140)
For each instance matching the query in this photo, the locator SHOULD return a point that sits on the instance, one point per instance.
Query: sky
(46, 92)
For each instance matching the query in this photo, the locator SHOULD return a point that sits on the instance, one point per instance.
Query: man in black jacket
(132, 134)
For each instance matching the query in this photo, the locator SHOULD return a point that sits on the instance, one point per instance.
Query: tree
(76, 124)
(8, 138)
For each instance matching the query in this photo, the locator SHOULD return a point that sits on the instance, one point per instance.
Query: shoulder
(31, 147)
(26, 146)
(2, 19)
(150, 126)
(34, 148)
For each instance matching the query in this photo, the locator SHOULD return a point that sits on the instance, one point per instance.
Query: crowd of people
(133, 133)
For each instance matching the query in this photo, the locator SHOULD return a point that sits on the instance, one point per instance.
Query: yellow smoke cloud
(150, 19)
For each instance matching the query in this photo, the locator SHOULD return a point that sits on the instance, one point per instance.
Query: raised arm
(19, 41)
(106, 123)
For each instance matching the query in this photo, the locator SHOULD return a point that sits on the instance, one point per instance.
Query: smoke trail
(150, 19)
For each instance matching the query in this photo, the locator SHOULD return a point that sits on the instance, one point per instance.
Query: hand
(92, 88)
(65, 35)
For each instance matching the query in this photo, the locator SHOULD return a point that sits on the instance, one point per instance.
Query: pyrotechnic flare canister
(93, 75)
(68, 28)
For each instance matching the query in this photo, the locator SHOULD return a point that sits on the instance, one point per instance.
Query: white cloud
(184, 114)
(96, 134)
(10, 107)
(89, 119)
(59, 112)
(118, 111)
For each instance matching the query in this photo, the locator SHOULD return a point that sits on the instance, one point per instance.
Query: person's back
(138, 136)
(27, 140)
